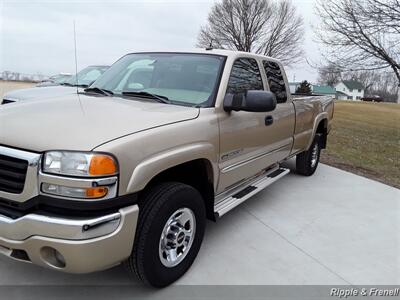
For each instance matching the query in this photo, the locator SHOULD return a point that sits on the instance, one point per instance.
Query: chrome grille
(12, 174)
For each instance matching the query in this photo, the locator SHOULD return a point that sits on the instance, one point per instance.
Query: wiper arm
(158, 98)
(99, 91)
(78, 85)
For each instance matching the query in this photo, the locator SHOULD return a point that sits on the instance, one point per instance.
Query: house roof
(323, 89)
(353, 84)
(339, 93)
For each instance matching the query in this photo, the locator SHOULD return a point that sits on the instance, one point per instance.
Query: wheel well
(196, 173)
(323, 130)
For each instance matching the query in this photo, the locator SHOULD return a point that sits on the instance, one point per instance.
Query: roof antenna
(76, 61)
(210, 47)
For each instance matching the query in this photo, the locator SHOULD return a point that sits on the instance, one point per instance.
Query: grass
(365, 139)
(7, 86)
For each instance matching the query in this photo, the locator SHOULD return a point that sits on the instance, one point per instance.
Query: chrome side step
(245, 191)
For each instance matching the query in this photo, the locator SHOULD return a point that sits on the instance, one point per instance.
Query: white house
(349, 90)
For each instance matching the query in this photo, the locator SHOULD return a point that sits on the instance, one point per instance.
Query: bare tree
(361, 34)
(367, 78)
(268, 27)
(329, 75)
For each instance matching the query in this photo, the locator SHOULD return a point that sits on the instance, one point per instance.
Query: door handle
(269, 120)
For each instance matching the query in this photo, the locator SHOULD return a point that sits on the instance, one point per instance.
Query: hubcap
(314, 155)
(177, 237)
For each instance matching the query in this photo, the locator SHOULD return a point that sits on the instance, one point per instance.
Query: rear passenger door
(248, 142)
(284, 115)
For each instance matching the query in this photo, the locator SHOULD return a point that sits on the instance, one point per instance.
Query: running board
(238, 196)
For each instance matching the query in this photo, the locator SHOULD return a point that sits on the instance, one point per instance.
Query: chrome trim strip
(71, 229)
(251, 159)
(31, 185)
(109, 182)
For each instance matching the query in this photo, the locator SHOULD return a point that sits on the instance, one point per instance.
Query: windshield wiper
(143, 94)
(99, 91)
(78, 85)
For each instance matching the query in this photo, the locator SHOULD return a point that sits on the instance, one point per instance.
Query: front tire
(307, 161)
(169, 233)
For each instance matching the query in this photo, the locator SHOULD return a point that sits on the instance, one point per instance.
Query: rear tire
(307, 161)
(169, 233)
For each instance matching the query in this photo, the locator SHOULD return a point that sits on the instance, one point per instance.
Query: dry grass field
(365, 139)
(6, 86)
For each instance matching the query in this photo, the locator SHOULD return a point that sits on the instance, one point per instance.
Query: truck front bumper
(73, 245)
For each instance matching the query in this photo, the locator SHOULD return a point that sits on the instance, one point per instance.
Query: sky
(37, 37)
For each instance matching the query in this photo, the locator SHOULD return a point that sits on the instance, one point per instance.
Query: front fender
(154, 165)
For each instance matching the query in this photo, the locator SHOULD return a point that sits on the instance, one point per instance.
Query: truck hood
(82, 122)
(40, 93)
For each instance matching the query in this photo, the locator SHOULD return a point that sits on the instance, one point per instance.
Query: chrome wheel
(314, 155)
(177, 237)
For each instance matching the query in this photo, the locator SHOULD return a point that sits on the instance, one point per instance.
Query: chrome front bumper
(73, 245)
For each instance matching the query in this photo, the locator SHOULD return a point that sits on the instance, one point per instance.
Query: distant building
(315, 88)
(349, 90)
(325, 90)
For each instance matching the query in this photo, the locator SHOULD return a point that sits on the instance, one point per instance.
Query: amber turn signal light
(101, 165)
(96, 192)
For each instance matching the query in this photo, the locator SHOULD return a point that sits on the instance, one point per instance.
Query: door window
(245, 76)
(276, 80)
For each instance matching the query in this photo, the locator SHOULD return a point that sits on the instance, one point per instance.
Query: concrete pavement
(332, 228)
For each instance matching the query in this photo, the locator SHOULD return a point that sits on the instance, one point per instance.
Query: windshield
(59, 78)
(187, 79)
(87, 76)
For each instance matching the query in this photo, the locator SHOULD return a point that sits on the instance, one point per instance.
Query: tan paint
(146, 154)
(148, 137)
(82, 122)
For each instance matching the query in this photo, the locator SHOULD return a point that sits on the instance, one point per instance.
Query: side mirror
(253, 101)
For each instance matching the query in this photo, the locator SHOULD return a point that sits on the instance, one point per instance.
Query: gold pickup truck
(129, 170)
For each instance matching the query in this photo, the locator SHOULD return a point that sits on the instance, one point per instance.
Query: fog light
(53, 257)
(72, 192)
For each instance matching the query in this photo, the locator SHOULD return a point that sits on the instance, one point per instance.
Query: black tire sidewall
(155, 272)
(309, 158)
(303, 160)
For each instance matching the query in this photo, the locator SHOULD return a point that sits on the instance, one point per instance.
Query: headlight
(79, 164)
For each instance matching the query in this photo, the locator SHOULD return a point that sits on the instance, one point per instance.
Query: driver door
(249, 142)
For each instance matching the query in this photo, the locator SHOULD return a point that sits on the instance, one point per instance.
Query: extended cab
(129, 170)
